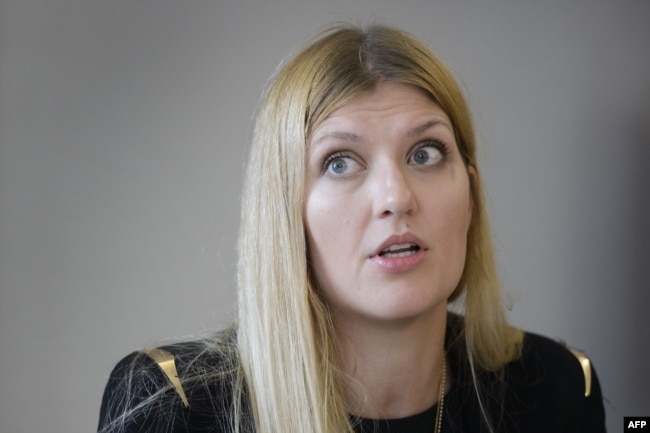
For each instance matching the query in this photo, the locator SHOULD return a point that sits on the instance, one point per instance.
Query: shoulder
(554, 363)
(555, 386)
(180, 387)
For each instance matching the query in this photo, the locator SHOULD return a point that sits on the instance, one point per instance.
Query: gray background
(123, 126)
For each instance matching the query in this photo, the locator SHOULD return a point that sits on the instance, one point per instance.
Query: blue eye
(421, 156)
(339, 164)
(426, 155)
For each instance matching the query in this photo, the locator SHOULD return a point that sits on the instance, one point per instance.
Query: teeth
(400, 250)
(401, 254)
(399, 247)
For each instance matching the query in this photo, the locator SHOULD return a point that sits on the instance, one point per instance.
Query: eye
(428, 154)
(340, 165)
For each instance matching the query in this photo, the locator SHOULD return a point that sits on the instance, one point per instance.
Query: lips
(399, 246)
(399, 253)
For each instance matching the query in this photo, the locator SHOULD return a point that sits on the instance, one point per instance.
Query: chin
(402, 312)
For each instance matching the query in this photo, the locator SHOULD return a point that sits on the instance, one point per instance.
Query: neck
(392, 369)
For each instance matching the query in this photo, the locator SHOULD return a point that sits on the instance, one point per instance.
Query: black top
(542, 392)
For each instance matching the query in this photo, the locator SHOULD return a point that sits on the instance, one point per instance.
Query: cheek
(328, 218)
(450, 217)
(321, 234)
(333, 233)
(459, 203)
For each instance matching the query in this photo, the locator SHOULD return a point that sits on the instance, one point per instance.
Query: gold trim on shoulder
(586, 368)
(165, 361)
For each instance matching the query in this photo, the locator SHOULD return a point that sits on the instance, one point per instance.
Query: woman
(362, 219)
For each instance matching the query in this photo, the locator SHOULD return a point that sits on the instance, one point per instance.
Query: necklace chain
(441, 396)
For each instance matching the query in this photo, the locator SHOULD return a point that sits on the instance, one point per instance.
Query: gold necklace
(441, 397)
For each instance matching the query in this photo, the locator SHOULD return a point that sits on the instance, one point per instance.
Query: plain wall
(123, 130)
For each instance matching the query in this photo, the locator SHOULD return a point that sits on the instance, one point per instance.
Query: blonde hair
(285, 337)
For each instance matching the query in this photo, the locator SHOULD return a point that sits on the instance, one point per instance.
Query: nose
(393, 193)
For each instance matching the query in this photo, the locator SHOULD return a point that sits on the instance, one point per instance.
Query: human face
(387, 206)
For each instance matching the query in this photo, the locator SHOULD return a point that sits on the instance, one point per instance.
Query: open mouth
(399, 250)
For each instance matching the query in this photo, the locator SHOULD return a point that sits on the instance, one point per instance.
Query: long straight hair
(285, 336)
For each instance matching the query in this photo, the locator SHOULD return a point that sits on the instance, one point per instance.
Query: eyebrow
(339, 135)
(354, 138)
(414, 132)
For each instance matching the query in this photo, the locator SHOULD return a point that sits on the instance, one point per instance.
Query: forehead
(400, 105)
